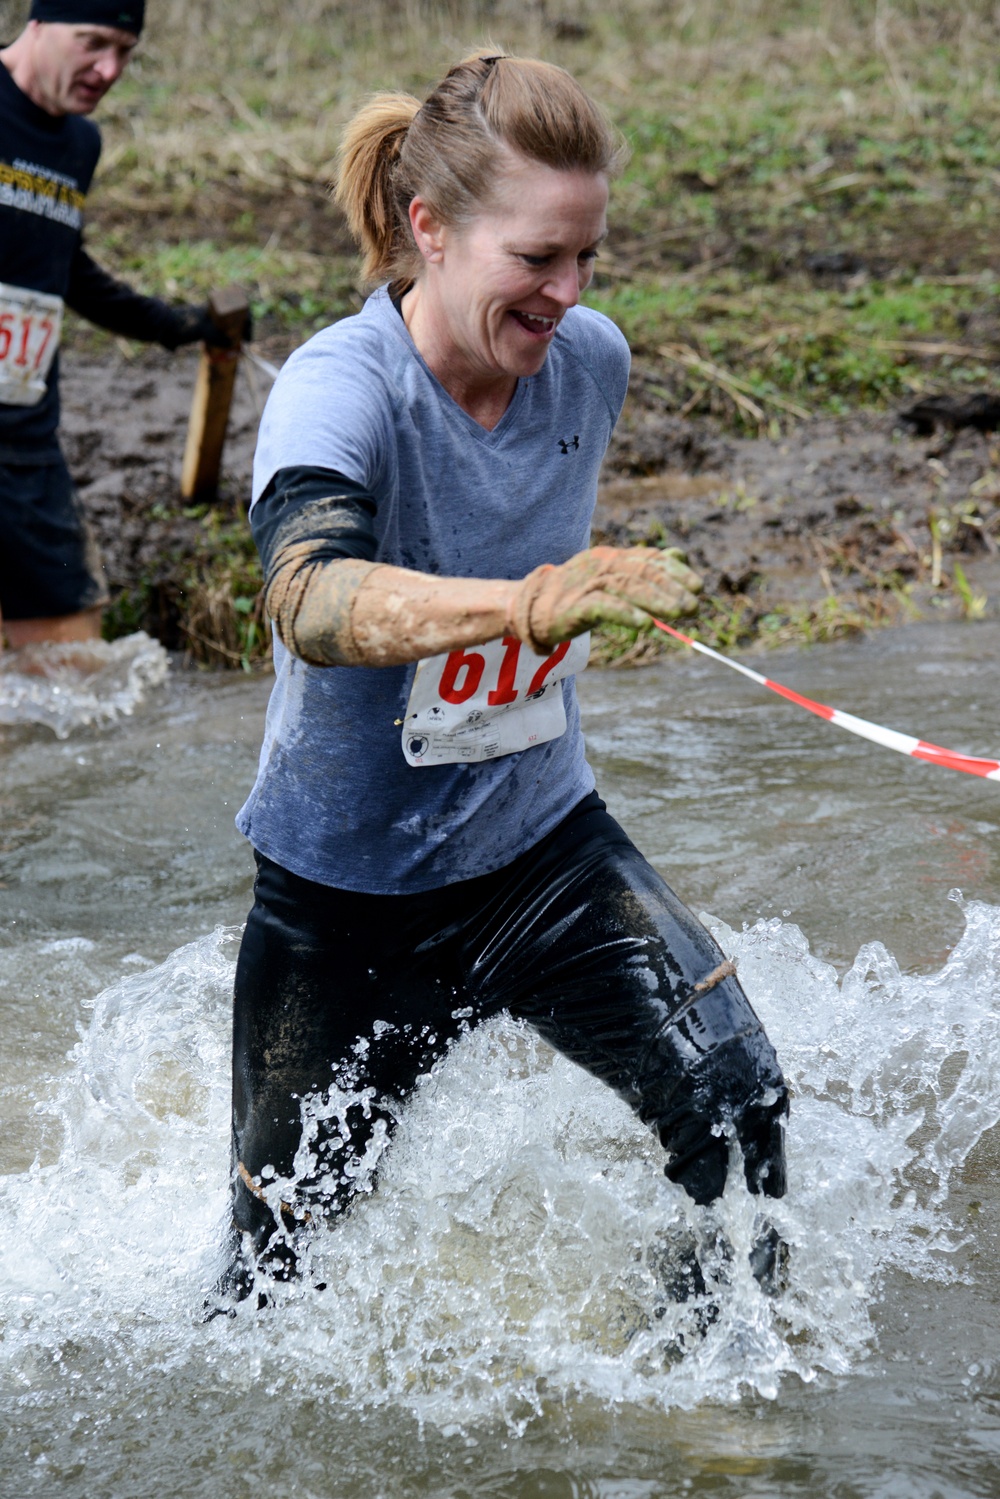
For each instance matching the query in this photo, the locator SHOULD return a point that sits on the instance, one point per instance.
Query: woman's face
(496, 289)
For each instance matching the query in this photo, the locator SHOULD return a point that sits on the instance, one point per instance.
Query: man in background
(52, 586)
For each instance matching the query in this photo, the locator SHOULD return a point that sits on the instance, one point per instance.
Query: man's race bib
(487, 701)
(29, 337)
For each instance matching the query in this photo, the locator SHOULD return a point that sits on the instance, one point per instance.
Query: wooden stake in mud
(213, 394)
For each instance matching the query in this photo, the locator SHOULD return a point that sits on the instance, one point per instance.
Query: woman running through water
(430, 846)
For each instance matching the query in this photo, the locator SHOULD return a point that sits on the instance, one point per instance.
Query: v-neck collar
(490, 437)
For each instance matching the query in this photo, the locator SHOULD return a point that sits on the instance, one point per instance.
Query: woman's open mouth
(533, 323)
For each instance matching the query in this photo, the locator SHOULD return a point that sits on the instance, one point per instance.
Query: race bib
(30, 322)
(488, 701)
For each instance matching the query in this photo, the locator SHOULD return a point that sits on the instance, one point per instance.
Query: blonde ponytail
(367, 160)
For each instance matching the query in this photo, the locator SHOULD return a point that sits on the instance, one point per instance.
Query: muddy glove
(605, 585)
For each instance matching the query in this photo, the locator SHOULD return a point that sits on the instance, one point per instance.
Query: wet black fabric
(49, 564)
(318, 505)
(580, 937)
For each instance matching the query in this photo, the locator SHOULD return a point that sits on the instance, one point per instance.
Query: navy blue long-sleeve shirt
(47, 163)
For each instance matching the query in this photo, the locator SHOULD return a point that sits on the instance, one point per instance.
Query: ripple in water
(515, 1253)
(66, 686)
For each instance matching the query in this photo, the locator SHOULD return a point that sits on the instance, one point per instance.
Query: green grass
(828, 350)
(762, 136)
(292, 290)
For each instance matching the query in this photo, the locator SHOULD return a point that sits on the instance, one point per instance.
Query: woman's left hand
(604, 585)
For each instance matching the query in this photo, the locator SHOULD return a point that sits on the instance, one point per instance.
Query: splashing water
(66, 686)
(518, 1251)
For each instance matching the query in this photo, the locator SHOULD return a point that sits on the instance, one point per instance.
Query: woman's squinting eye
(538, 261)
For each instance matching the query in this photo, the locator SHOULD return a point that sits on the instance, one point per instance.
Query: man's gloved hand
(604, 585)
(198, 326)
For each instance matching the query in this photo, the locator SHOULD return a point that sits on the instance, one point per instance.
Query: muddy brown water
(495, 1322)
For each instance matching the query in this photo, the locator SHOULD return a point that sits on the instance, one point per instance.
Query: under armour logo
(565, 443)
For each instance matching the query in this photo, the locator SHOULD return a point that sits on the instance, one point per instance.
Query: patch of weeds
(728, 625)
(973, 604)
(738, 500)
(206, 595)
(128, 612)
(832, 618)
(621, 645)
(221, 606)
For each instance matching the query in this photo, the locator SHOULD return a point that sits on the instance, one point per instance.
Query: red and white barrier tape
(905, 744)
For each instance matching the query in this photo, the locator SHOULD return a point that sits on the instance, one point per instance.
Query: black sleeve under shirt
(112, 304)
(315, 505)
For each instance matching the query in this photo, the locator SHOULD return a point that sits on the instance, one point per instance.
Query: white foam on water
(513, 1256)
(68, 686)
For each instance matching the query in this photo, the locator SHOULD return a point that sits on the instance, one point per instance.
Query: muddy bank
(836, 523)
(123, 431)
(855, 512)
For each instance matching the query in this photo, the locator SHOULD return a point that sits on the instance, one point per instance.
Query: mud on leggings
(580, 937)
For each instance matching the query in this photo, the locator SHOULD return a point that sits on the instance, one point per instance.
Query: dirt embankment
(836, 523)
(839, 515)
(124, 423)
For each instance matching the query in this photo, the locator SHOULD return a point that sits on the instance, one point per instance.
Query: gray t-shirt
(335, 800)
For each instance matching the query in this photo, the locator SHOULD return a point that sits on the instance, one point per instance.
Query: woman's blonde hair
(450, 150)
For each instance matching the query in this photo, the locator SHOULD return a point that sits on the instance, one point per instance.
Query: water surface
(495, 1322)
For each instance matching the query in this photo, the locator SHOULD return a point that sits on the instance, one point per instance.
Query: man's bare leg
(58, 629)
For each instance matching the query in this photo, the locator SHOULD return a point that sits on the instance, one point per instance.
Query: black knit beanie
(123, 15)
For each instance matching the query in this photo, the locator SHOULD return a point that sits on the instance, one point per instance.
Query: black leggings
(580, 937)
